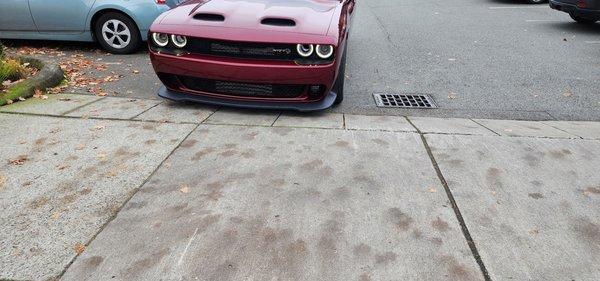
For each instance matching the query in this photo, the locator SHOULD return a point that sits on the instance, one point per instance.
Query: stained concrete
(62, 179)
(516, 128)
(243, 117)
(381, 123)
(583, 129)
(119, 108)
(531, 205)
(311, 120)
(428, 125)
(260, 203)
(177, 112)
(58, 104)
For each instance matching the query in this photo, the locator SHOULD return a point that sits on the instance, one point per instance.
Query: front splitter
(325, 103)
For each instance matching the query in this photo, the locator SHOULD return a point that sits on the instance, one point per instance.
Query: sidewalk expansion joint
(81, 106)
(135, 191)
(146, 110)
(457, 213)
(277, 118)
(484, 127)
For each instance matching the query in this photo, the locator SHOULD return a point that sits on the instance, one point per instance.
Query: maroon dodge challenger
(282, 54)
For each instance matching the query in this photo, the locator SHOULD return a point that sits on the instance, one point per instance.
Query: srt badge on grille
(284, 51)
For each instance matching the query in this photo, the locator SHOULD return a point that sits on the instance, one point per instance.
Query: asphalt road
(477, 58)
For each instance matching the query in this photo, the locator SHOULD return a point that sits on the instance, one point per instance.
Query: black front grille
(242, 49)
(241, 89)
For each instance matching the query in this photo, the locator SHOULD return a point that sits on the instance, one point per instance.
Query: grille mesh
(241, 89)
(242, 49)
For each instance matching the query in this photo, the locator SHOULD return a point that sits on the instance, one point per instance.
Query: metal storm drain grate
(402, 100)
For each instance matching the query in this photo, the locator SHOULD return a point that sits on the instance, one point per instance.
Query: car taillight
(581, 4)
(161, 2)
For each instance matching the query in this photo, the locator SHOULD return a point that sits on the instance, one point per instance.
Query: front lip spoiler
(325, 103)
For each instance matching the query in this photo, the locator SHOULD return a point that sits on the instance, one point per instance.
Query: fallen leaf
(37, 93)
(101, 156)
(452, 96)
(79, 147)
(567, 94)
(19, 160)
(21, 98)
(136, 72)
(432, 190)
(100, 127)
(534, 231)
(184, 189)
(55, 215)
(79, 248)
(9, 101)
(62, 167)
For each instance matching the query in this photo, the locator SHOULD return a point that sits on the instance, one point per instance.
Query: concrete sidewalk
(112, 188)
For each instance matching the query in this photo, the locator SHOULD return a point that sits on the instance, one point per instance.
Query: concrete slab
(62, 181)
(531, 205)
(266, 203)
(382, 123)
(117, 108)
(55, 104)
(243, 117)
(516, 128)
(311, 120)
(586, 130)
(176, 112)
(429, 125)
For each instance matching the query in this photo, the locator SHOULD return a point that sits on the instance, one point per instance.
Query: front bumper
(570, 8)
(324, 103)
(170, 68)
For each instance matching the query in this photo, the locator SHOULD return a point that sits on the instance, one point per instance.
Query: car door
(65, 16)
(15, 16)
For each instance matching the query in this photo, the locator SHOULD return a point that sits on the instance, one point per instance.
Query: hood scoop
(209, 17)
(278, 22)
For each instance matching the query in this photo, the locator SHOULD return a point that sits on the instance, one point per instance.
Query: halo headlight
(305, 50)
(179, 40)
(160, 39)
(324, 51)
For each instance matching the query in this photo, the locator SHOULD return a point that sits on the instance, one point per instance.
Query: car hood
(307, 16)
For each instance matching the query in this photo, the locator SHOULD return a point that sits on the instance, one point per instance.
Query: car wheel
(338, 86)
(117, 33)
(581, 20)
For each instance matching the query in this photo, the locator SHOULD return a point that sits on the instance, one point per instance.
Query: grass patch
(12, 69)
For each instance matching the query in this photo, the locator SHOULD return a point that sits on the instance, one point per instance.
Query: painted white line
(519, 7)
(543, 20)
(592, 42)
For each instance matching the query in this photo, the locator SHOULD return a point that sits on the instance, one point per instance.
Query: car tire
(117, 33)
(338, 85)
(581, 20)
(535, 1)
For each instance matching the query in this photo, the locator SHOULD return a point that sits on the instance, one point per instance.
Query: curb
(50, 75)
